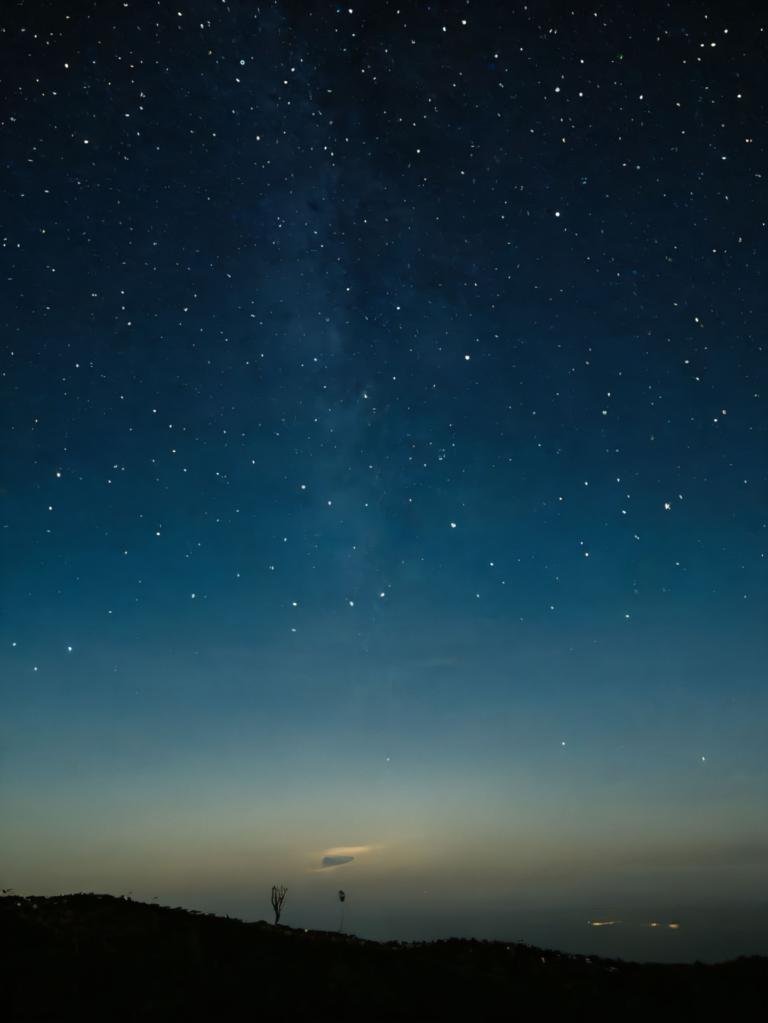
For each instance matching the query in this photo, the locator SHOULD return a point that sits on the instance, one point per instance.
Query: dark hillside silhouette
(88, 957)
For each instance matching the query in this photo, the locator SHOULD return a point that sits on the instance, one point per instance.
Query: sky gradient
(384, 466)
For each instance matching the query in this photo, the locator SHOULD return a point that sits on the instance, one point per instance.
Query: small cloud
(340, 855)
(335, 861)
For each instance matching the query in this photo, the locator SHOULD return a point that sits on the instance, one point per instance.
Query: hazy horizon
(686, 932)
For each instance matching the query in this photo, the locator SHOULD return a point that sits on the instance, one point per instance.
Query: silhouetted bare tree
(279, 892)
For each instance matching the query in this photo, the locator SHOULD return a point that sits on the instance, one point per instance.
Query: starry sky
(384, 465)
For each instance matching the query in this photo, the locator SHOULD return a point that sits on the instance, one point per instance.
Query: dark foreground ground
(89, 957)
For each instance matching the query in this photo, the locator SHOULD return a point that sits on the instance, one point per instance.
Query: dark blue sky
(385, 464)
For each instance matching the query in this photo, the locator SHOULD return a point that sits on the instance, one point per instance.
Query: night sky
(384, 465)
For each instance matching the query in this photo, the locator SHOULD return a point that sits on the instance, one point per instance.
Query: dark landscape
(90, 956)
